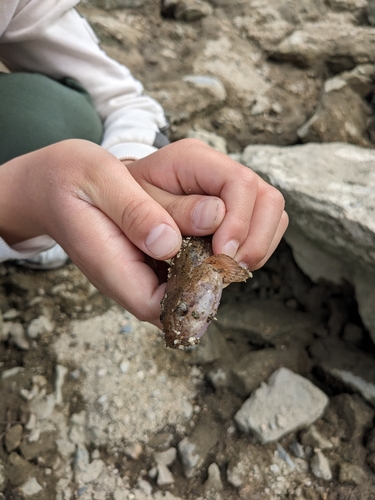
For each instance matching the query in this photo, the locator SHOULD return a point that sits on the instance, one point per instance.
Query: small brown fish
(196, 279)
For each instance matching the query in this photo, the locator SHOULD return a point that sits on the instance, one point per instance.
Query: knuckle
(177, 208)
(240, 224)
(192, 142)
(249, 179)
(136, 214)
(189, 144)
(275, 198)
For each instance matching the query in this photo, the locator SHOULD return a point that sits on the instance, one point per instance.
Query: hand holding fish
(111, 219)
(207, 192)
(248, 219)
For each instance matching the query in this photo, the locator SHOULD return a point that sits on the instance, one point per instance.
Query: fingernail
(162, 240)
(205, 213)
(230, 248)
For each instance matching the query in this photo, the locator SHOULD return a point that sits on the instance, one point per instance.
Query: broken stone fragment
(348, 367)
(342, 115)
(165, 476)
(287, 403)
(313, 438)
(30, 488)
(214, 481)
(351, 473)
(329, 190)
(191, 10)
(320, 466)
(39, 326)
(13, 437)
(166, 457)
(16, 333)
(340, 46)
(256, 366)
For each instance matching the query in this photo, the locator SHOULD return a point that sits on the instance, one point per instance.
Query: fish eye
(181, 309)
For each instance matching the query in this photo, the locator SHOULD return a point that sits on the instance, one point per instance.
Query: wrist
(17, 221)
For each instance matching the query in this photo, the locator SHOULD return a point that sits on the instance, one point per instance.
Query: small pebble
(152, 473)
(38, 327)
(165, 476)
(297, 449)
(34, 436)
(281, 452)
(30, 487)
(13, 437)
(16, 333)
(10, 314)
(320, 466)
(31, 423)
(144, 486)
(124, 366)
(133, 451)
(214, 481)
(351, 474)
(166, 457)
(61, 372)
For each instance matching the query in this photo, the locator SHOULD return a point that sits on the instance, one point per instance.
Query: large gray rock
(256, 366)
(235, 68)
(287, 403)
(357, 8)
(371, 12)
(342, 113)
(186, 98)
(329, 191)
(339, 45)
(348, 368)
(267, 321)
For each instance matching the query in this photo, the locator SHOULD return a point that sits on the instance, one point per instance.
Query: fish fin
(228, 268)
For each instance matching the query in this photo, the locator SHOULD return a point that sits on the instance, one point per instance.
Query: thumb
(144, 221)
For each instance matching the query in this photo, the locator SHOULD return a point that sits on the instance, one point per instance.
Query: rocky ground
(278, 401)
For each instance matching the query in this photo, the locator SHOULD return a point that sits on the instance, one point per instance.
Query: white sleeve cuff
(25, 249)
(131, 150)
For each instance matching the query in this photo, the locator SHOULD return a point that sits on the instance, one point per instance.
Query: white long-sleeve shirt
(51, 38)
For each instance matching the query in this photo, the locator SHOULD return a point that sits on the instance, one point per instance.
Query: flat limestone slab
(287, 403)
(329, 191)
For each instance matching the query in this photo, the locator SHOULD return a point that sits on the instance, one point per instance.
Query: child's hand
(246, 214)
(108, 217)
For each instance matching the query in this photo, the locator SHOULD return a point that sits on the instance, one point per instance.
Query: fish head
(189, 317)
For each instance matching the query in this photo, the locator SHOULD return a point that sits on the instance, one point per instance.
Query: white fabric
(50, 37)
(25, 249)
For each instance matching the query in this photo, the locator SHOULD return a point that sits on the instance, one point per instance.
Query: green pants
(36, 111)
